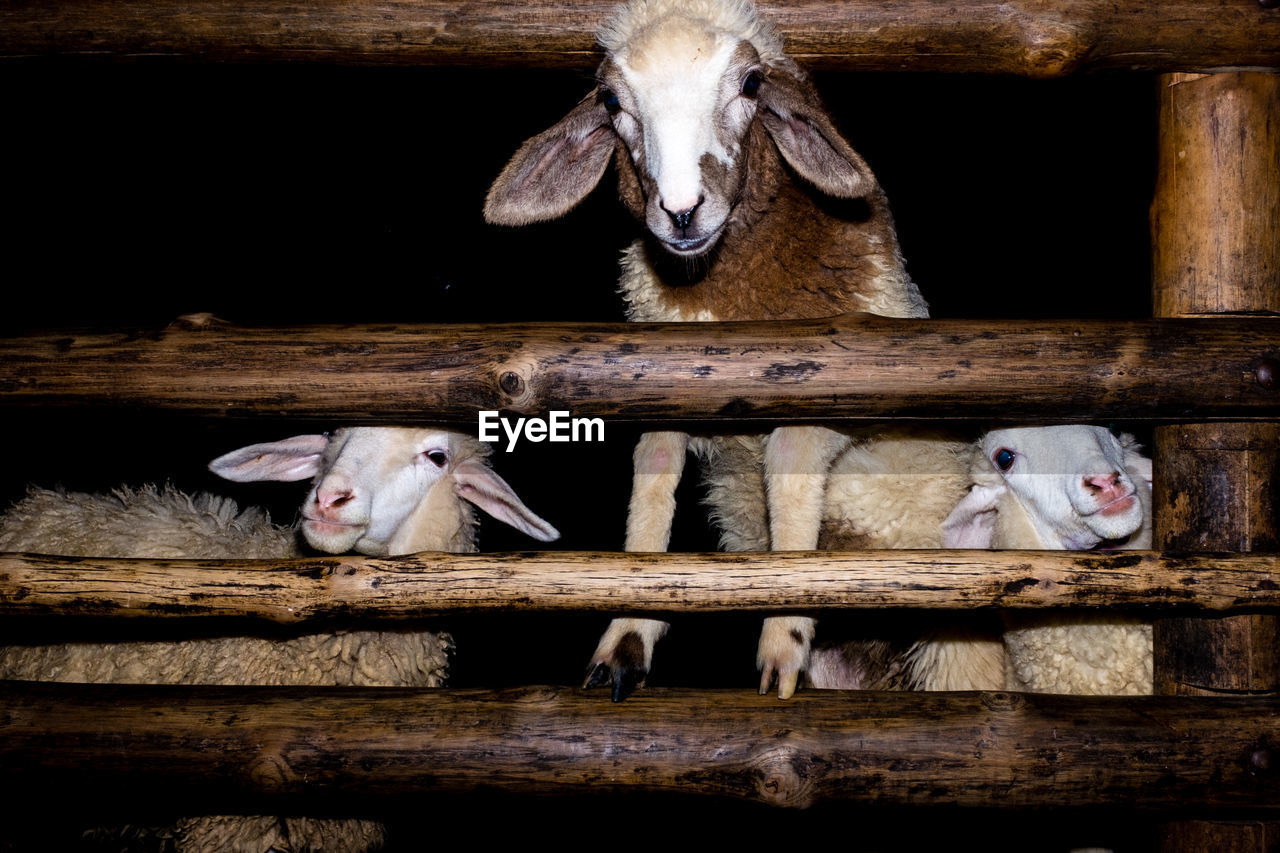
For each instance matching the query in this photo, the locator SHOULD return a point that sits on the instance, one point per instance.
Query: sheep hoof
(625, 679)
(786, 680)
(623, 665)
(785, 647)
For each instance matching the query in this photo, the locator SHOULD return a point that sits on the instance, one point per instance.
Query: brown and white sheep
(754, 207)
(379, 491)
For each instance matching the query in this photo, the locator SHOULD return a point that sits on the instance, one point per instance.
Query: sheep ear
(478, 483)
(554, 171)
(972, 522)
(296, 458)
(806, 137)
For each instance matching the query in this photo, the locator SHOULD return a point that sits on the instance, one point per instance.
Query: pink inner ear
(972, 523)
(553, 171)
(478, 483)
(290, 459)
(975, 532)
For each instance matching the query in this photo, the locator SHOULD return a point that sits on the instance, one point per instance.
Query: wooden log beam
(1035, 38)
(854, 366)
(1215, 218)
(974, 749)
(1216, 252)
(296, 591)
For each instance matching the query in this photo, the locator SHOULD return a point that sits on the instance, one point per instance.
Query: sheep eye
(438, 457)
(610, 101)
(1003, 458)
(751, 84)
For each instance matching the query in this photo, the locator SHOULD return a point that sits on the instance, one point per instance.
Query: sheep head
(687, 99)
(1069, 487)
(386, 490)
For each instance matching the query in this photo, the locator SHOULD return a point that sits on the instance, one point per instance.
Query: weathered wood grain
(1035, 38)
(1216, 216)
(977, 749)
(854, 366)
(426, 584)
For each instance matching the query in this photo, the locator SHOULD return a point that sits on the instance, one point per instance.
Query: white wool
(957, 661)
(1078, 653)
(738, 18)
(158, 522)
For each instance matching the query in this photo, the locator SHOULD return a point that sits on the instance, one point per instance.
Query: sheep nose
(684, 218)
(334, 499)
(1102, 484)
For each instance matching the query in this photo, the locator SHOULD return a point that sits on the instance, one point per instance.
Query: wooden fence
(1203, 372)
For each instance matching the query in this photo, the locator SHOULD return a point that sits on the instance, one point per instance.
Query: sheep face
(371, 480)
(1072, 487)
(386, 490)
(688, 96)
(681, 100)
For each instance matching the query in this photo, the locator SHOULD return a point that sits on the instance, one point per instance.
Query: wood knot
(1266, 370)
(779, 781)
(511, 383)
(1001, 701)
(270, 772)
(1260, 761)
(1269, 4)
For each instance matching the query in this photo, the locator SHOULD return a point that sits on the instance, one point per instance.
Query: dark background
(285, 195)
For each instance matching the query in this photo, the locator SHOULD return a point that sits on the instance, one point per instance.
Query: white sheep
(1055, 487)
(1073, 488)
(380, 491)
(720, 143)
(889, 488)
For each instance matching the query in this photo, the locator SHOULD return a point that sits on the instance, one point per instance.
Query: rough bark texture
(1216, 215)
(974, 749)
(853, 366)
(1034, 38)
(331, 588)
(1215, 492)
(1216, 244)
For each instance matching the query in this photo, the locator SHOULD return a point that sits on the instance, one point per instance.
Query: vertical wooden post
(1216, 251)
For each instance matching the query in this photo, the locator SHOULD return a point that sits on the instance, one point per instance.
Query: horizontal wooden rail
(854, 366)
(1036, 38)
(424, 584)
(978, 749)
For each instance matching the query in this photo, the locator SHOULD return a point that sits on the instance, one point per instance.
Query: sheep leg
(796, 462)
(625, 651)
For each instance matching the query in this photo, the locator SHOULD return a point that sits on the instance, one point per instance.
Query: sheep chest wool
(753, 207)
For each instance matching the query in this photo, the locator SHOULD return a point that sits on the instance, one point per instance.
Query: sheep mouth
(692, 246)
(1119, 506)
(322, 526)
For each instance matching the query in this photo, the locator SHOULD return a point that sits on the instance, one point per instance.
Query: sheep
(1063, 487)
(720, 143)
(1053, 487)
(379, 491)
(887, 489)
